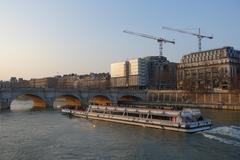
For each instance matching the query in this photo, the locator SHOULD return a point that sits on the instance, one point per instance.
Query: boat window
(133, 114)
(187, 119)
(117, 113)
(98, 111)
(162, 117)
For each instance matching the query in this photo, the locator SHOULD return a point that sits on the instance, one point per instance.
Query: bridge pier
(4, 105)
(49, 103)
(114, 100)
(84, 103)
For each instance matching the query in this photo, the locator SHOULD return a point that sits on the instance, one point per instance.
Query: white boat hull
(140, 122)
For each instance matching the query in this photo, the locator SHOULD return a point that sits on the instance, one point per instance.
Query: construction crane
(198, 35)
(158, 39)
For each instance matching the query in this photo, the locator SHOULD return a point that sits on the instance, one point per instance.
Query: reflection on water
(21, 105)
(26, 103)
(59, 102)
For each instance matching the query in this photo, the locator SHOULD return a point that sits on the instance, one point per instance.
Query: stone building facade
(208, 70)
(48, 82)
(93, 81)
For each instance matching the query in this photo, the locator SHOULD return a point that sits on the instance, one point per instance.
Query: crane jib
(159, 39)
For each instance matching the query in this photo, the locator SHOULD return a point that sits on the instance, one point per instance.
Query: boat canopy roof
(161, 112)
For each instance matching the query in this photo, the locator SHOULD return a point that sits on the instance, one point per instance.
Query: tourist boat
(186, 120)
(66, 111)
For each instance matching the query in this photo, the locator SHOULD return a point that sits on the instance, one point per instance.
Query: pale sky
(40, 38)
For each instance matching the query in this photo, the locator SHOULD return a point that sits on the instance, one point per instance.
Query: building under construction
(153, 72)
(131, 74)
(161, 73)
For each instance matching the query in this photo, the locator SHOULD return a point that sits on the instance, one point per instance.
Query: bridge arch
(67, 100)
(100, 100)
(27, 101)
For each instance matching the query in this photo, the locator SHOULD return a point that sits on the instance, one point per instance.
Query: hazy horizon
(47, 38)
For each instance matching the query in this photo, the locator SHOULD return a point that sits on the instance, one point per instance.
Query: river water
(49, 135)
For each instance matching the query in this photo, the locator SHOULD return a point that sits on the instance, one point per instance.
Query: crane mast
(198, 35)
(158, 39)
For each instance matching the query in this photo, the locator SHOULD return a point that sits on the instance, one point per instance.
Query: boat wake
(225, 134)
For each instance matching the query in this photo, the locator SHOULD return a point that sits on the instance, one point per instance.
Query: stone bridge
(45, 97)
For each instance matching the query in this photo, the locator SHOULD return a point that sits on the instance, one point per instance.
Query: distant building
(93, 81)
(132, 73)
(119, 74)
(22, 83)
(13, 81)
(49, 82)
(20, 80)
(138, 73)
(212, 69)
(150, 72)
(87, 81)
(66, 81)
(4, 84)
(161, 73)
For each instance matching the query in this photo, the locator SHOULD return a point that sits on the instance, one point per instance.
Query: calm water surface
(49, 135)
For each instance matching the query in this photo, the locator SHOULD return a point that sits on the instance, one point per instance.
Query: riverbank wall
(222, 99)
